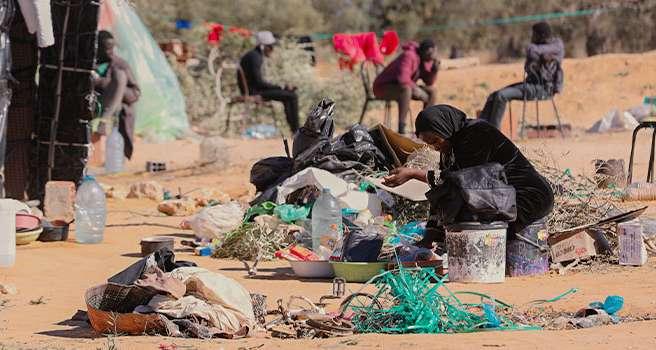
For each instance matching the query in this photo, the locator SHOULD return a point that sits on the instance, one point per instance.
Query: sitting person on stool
(119, 92)
(398, 81)
(544, 56)
(465, 143)
(251, 64)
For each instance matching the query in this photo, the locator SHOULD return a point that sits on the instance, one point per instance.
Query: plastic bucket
(477, 252)
(359, 272)
(528, 253)
(312, 269)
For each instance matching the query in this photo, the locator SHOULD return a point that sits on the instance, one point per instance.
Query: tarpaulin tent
(161, 109)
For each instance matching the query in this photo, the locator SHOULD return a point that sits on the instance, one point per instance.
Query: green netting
(160, 112)
(412, 303)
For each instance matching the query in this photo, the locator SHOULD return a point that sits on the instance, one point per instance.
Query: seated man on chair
(544, 75)
(398, 81)
(251, 64)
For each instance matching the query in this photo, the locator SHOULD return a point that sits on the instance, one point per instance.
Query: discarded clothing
(210, 296)
(364, 46)
(162, 283)
(163, 259)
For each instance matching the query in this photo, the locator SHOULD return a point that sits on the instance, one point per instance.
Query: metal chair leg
(510, 119)
(227, 125)
(633, 141)
(364, 110)
(560, 125)
(537, 115)
(523, 123)
(650, 169)
(388, 114)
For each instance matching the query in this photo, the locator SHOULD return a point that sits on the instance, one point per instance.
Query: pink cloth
(356, 48)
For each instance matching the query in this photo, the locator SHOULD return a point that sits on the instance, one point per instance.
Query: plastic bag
(319, 125)
(265, 208)
(290, 213)
(269, 172)
(362, 245)
(215, 222)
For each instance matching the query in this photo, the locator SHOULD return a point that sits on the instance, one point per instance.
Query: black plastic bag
(319, 126)
(355, 149)
(360, 246)
(270, 172)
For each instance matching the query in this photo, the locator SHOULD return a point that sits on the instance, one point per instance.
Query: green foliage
(291, 65)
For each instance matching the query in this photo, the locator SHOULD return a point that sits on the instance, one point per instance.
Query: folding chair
(545, 97)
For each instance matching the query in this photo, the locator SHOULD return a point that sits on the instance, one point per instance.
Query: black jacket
(251, 65)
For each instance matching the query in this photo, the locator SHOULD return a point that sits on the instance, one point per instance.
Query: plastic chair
(646, 123)
(545, 97)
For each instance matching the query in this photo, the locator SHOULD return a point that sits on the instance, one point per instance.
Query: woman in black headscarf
(464, 143)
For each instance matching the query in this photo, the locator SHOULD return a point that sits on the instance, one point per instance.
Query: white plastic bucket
(477, 252)
(7, 232)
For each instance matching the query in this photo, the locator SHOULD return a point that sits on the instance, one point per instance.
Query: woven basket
(111, 322)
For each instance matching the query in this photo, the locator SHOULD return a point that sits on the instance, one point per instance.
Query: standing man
(544, 75)
(398, 81)
(251, 64)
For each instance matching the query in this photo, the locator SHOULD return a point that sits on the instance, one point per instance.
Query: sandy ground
(59, 273)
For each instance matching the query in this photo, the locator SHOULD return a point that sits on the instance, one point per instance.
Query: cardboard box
(576, 245)
(632, 246)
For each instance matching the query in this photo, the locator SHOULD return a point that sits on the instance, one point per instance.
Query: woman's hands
(399, 176)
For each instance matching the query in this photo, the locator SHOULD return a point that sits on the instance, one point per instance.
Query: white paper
(413, 190)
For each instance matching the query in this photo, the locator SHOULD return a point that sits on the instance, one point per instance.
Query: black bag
(355, 149)
(319, 126)
(479, 193)
(359, 246)
(270, 172)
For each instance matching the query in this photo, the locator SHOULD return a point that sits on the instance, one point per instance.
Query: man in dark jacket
(251, 64)
(544, 56)
(398, 81)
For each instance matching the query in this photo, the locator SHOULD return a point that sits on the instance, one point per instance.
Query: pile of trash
(616, 120)
(158, 295)
(346, 167)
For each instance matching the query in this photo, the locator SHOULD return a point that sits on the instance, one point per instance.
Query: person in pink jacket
(398, 81)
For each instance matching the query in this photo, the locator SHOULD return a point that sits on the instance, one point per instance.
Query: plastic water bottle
(114, 155)
(7, 233)
(90, 212)
(326, 224)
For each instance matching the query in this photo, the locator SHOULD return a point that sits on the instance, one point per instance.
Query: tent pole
(54, 124)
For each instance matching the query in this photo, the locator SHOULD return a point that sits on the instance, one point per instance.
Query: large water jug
(114, 156)
(90, 211)
(7, 233)
(326, 225)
